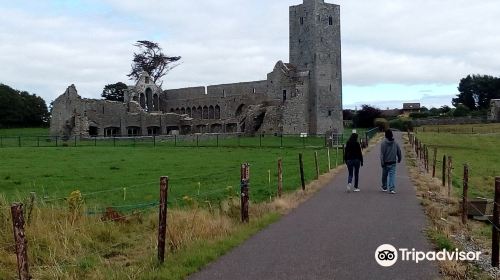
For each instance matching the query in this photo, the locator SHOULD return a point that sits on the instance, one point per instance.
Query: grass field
(39, 137)
(101, 173)
(481, 151)
(462, 129)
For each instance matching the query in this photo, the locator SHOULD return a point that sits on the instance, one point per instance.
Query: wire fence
(460, 129)
(450, 179)
(302, 140)
(135, 210)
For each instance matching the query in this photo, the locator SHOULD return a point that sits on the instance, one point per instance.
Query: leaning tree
(152, 60)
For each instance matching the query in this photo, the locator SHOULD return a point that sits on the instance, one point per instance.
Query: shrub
(402, 124)
(381, 123)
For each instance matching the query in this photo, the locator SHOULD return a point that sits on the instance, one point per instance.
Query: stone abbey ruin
(302, 96)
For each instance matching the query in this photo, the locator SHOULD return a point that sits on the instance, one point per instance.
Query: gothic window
(330, 87)
(217, 112)
(301, 20)
(211, 112)
(156, 102)
(330, 21)
(223, 93)
(253, 91)
(205, 113)
(284, 95)
(146, 80)
(329, 113)
(142, 101)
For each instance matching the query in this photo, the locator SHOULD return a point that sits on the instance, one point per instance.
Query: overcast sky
(393, 51)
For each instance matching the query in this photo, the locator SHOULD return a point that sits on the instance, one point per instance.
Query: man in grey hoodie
(390, 153)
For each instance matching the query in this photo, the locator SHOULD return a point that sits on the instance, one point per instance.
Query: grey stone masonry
(494, 110)
(315, 46)
(303, 96)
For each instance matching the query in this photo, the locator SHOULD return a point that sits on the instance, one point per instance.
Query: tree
(21, 109)
(114, 92)
(476, 91)
(152, 60)
(366, 116)
(461, 111)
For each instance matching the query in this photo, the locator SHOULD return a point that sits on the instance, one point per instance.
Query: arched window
(142, 101)
(217, 112)
(211, 112)
(177, 111)
(199, 112)
(205, 113)
(183, 111)
(188, 111)
(156, 102)
(149, 99)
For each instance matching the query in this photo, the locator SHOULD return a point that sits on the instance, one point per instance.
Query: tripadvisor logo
(387, 255)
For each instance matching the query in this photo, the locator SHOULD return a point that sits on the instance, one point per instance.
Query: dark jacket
(353, 151)
(390, 152)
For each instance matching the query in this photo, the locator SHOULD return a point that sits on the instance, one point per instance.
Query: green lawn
(24, 132)
(480, 151)
(54, 172)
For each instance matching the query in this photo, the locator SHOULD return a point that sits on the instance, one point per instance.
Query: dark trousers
(353, 167)
(385, 172)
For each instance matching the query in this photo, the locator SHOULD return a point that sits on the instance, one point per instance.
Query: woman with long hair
(354, 160)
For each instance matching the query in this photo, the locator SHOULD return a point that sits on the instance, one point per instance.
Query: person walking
(390, 154)
(354, 160)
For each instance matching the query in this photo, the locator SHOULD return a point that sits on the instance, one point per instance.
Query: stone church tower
(315, 46)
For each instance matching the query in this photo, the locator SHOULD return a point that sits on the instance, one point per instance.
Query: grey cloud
(384, 41)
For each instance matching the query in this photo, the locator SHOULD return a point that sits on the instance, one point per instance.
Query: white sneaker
(349, 187)
(384, 189)
(393, 192)
(356, 190)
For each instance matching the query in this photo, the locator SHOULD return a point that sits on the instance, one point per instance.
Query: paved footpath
(334, 235)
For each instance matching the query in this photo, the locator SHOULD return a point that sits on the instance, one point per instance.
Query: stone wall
(494, 114)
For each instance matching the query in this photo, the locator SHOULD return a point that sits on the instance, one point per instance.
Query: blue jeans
(391, 176)
(353, 167)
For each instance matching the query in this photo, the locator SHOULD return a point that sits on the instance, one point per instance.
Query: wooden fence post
(245, 179)
(280, 177)
(450, 176)
(496, 225)
(337, 156)
(427, 158)
(329, 160)
(434, 162)
(162, 228)
(317, 164)
(21, 243)
(301, 167)
(343, 153)
(464, 195)
(444, 171)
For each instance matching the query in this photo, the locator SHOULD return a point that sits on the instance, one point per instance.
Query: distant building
(409, 108)
(494, 110)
